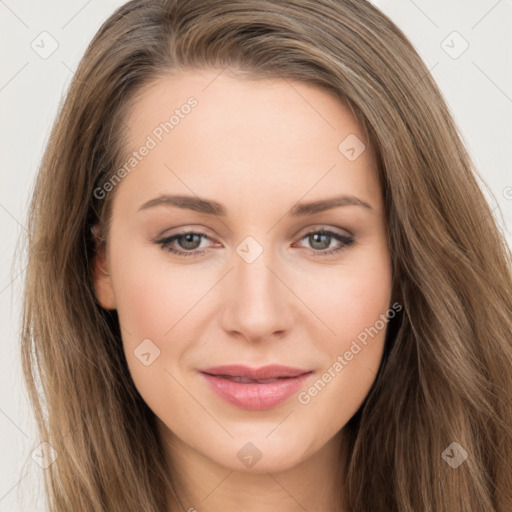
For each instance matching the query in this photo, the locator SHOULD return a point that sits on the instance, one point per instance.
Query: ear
(102, 281)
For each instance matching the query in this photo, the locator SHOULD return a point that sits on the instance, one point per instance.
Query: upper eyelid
(204, 235)
(305, 231)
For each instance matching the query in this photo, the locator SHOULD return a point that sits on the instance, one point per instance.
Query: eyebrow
(211, 207)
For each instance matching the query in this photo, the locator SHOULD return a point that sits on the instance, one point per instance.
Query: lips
(255, 389)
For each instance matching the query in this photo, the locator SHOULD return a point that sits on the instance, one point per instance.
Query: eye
(320, 240)
(188, 240)
(187, 243)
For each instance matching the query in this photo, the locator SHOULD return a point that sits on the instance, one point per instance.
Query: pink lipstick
(255, 389)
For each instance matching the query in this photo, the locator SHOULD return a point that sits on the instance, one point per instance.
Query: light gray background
(477, 86)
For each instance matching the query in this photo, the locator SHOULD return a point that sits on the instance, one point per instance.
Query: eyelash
(346, 241)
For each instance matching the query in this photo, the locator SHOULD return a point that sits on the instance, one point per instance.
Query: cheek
(155, 304)
(366, 297)
(354, 306)
(153, 295)
(349, 299)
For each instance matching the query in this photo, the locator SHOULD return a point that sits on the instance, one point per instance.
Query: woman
(271, 278)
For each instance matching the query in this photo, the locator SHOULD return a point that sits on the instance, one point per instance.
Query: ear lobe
(102, 281)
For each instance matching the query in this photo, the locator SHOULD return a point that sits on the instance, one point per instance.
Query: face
(286, 262)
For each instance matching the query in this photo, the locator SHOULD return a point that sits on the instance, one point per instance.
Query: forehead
(215, 129)
(268, 106)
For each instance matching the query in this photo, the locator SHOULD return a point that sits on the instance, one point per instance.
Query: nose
(258, 304)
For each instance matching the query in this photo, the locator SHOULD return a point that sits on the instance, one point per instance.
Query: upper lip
(272, 371)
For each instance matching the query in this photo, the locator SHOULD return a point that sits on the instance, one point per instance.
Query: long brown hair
(446, 375)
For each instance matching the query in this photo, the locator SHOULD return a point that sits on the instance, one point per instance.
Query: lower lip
(254, 396)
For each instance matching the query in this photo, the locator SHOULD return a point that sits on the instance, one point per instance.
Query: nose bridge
(257, 304)
(255, 280)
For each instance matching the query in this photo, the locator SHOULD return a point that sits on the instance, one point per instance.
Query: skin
(257, 147)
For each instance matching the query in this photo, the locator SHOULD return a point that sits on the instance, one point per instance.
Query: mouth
(269, 372)
(255, 389)
(247, 380)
